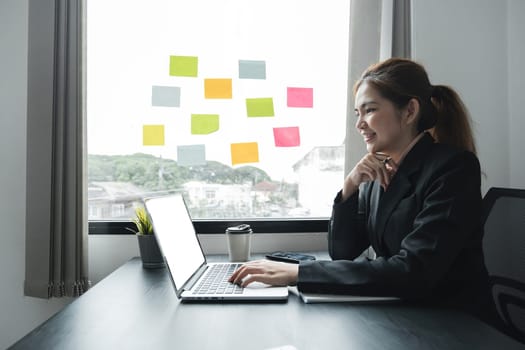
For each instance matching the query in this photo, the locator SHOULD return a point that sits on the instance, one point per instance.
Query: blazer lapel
(401, 184)
(397, 190)
(375, 197)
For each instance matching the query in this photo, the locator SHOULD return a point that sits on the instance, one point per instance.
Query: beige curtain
(56, 218)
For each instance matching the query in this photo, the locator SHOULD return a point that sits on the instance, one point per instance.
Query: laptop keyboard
(216, 281)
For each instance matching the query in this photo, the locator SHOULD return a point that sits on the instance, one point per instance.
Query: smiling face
(384, 127)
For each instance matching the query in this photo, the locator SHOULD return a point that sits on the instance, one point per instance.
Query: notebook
(313, 298)
(186, 262)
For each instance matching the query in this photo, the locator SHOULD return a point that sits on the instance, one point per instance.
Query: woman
(414, 197)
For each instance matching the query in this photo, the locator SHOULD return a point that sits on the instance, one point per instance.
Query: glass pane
(240, 105)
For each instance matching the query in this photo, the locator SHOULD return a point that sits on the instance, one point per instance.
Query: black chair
(504, 250)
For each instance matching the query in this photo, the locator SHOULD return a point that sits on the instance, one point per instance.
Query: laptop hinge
(195, 277)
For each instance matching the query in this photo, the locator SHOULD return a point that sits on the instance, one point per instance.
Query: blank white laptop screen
(179, 243)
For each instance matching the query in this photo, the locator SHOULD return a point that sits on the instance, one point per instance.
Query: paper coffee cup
(239, 242)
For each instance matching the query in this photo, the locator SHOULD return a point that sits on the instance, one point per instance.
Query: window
(239, 105)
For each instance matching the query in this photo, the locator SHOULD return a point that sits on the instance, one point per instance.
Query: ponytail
(452, 119)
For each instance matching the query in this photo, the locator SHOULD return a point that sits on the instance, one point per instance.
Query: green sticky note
(203, 124)
(184, 66)
(260, 107)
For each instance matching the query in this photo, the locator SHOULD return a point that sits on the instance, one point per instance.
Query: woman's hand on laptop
(270, 272)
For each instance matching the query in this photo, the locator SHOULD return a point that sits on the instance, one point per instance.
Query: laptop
(186, 263)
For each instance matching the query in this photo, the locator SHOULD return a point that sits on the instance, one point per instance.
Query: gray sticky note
(190, 155)
(252, 69)
(165, 96)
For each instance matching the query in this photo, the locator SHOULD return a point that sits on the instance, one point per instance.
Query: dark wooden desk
(135, 308)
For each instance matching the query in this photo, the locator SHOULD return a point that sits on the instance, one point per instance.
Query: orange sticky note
(153, 135)
(247, 152)
(217, 88)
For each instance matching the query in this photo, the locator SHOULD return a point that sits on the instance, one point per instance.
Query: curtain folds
(56, 217)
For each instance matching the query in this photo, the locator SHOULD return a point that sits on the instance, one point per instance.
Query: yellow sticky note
(260, 107)
(184, 66)
(247, 152)
(203, 124)
(153, 135)
(217, 88)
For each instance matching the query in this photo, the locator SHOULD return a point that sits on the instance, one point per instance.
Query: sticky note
(203, 124)
(260, 107)
(247, 152)
(153, 135)
(191, 155)
(287, 136)
(300, 97)
(252, 69)
(217, 88)
(165, 96)
(184, 66)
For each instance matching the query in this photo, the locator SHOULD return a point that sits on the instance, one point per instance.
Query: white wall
(18, 314)
(464, 44)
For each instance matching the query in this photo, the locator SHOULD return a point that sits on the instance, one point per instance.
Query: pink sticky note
(300, 97)
(287, 137)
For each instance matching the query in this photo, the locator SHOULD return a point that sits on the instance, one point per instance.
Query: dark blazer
(426, 230)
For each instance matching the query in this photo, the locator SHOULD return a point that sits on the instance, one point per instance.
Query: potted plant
(149, 249)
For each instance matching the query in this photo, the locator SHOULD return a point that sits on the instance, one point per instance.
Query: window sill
(218, 227)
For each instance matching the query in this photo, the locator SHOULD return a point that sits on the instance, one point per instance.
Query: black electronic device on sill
(289, 257)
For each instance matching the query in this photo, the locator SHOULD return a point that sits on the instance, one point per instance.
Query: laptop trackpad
(257, 285)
